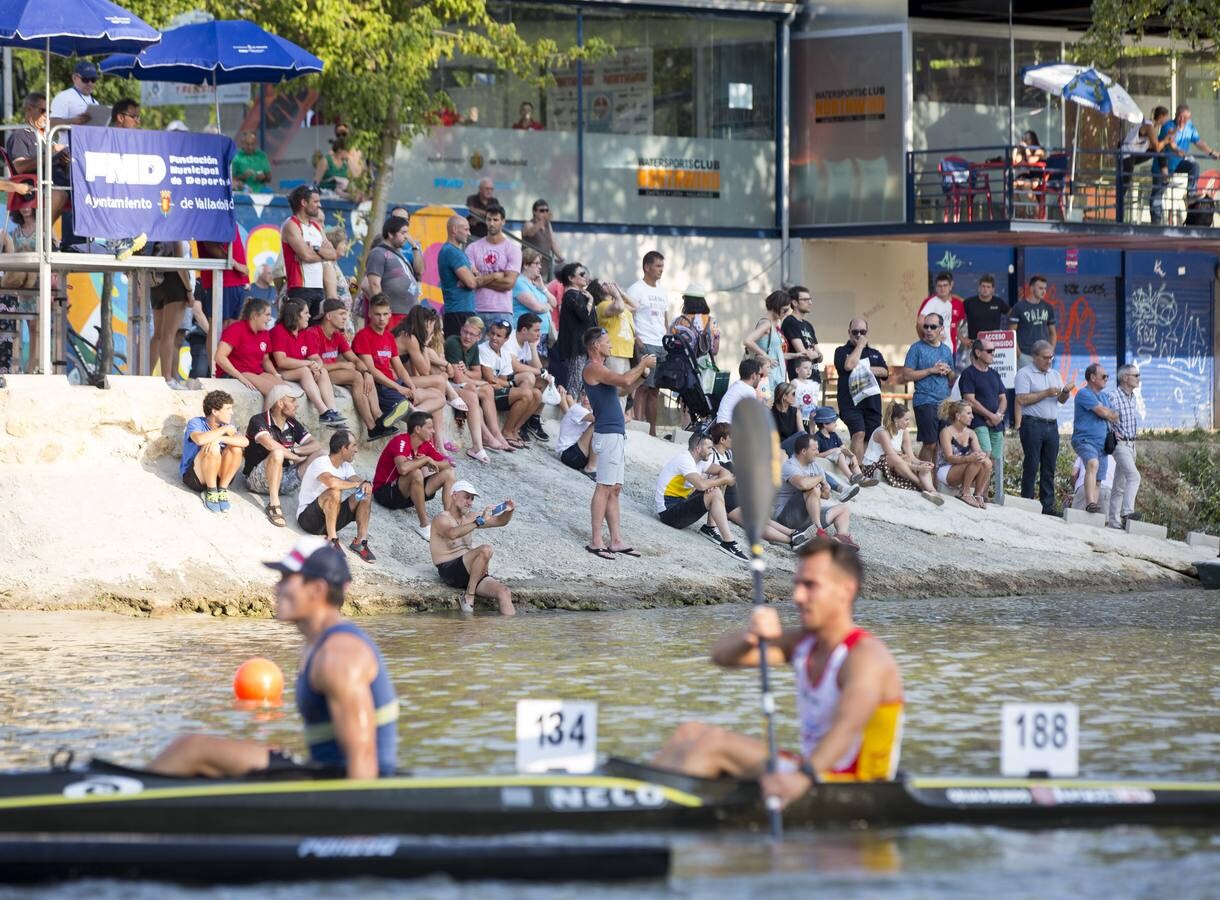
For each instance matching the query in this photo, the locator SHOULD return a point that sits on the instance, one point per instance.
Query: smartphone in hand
(500, 508)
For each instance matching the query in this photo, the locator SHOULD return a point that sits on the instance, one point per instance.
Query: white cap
(694, 290)
(466, 488)
(280, 391)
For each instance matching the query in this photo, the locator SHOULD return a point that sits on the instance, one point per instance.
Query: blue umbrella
(67, 27)
(216, 53)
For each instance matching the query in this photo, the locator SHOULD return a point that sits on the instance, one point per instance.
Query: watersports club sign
(169, 185)
(668, 177)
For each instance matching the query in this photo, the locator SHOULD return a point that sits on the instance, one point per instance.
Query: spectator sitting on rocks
(377, 348)
(831, 449)
(785, 412)
(721, 435)
(516, 394)
(962, 463)
(690, 487)
(297, 359)
(280, 449)
(1093, 418)
(574, 443)
(212, 452)
(322, 507)
(525, 347)
(750, 375)
(328, 341)
(242, 353)
(889, 454)
(798, 504)
(458, 562)
(411, 470)
(462, 356)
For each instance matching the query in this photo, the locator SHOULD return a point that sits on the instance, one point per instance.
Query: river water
(1143, 668)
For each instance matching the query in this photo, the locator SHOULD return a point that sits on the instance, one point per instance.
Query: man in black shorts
(458, 562)
(411, 470)
(861, 413)
(324, 504)
(690, 487)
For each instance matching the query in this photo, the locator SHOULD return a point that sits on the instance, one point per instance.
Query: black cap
(314, 557)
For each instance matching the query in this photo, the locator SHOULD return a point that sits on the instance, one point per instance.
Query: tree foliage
(1122, 22)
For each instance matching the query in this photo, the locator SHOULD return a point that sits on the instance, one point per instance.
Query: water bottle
(360, 493)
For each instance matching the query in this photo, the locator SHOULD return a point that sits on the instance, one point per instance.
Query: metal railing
(1088, 185)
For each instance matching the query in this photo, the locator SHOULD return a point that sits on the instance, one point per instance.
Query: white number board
(556, 735)
(1040, 737)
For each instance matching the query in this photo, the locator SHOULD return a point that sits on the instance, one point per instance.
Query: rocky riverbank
(97, 519)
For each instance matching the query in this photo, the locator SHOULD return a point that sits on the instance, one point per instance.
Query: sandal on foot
(933, 497)
(600, 551)
(275, 516)
(628, 551)
(466, 605)
(481, 456)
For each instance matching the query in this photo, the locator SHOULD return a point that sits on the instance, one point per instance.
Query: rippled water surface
(1142, 667)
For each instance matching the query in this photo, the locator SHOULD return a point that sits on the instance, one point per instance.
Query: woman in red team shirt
(243, 351)
(295, 355)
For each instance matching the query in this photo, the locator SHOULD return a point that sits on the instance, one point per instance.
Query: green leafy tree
(1119, 22)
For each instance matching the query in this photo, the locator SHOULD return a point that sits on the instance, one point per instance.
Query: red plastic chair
(960, 181)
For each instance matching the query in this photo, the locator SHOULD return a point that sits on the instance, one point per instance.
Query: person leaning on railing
(1141, 144)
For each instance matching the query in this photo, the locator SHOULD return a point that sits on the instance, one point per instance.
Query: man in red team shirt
(946, 304)
(411, 470)
(377, 348)
(328, 343)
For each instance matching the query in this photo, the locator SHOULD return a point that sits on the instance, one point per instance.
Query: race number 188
(1040, 737)
(556, 735)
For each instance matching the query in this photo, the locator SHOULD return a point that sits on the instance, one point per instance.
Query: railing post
(1119, 188)
(910, 216)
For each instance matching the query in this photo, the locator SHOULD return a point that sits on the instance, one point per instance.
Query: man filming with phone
(458, 562)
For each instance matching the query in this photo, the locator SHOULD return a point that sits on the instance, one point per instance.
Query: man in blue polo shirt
(929, 365)
(1092, 420)
(1182, 135)
(456, 279)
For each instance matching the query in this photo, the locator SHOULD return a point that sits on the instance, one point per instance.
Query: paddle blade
(756, 463)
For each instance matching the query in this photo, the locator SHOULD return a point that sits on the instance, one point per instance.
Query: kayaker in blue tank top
(343, 691)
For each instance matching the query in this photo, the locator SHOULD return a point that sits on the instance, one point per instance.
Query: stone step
(1147, 529)
(1080, 517)
(1012, 501)
(1204, 540)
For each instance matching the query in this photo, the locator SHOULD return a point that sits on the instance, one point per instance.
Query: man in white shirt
(522, 346)
(750, 376)
(321, 508)
(575, 441)
(690, 487)
(512, 381)
(1040, 392)
(71, 106)
(651, 324)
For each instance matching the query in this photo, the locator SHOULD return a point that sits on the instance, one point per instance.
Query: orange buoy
(259, 679)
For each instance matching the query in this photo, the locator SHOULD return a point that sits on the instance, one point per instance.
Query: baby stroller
(680, 372)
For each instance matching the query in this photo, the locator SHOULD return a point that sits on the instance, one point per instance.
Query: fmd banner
(169, 185)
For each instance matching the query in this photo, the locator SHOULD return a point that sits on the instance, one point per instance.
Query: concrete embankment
(97, 519)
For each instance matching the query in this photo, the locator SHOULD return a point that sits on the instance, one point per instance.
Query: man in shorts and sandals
(212, 452)
(691, 487)
(411, 470)
(458, 562)
(280, 450)
(332, 496)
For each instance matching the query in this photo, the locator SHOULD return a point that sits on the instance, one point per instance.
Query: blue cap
(86, 69)
(315, 557)
(824, 415)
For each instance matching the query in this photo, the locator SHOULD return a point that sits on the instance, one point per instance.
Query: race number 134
(1040, 737)
(556, 735)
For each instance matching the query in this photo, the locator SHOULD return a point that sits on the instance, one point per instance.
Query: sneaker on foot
(534, 425)
(424, 531)
(332, 418)
(398, 412)
(730, 548)
(377, 432)
(362, 550)
(798, 538)
(848, 492)
(222, 498)
(1132, 517)
(127, 247)
(710, 533)
(869, 481)
(210, 501)
(177, 384)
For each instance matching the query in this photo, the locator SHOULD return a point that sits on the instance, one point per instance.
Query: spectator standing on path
(982, 388)
(945, 304)
(531, 296)
(328, 340)
(1090, 426)
(280, 450)
(539, 235)
(767, 342)
(305, 247)
(929, 364)
(798, 330)
(457, 281)
(749, 378)
(478, 204)
(496, 263)
(389, 272)
(577, 314)
(212, 452)
(1034, 320)
(616, 314)
(602, 387)
(690, 487)
(1123, 401)
(889, 455)
(860, 368)
(803, 488)
(1040, 391)
(332, 496)
(251, 168)
(985, 311)
(458, 562)
(297, 358)
(243, 349)
(411, 470)
(651, 325)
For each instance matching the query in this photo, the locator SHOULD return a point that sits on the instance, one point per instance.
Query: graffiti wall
(1169, 336)
(968, 263)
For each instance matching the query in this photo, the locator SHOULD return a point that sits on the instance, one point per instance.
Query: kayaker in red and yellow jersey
(849, 689)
